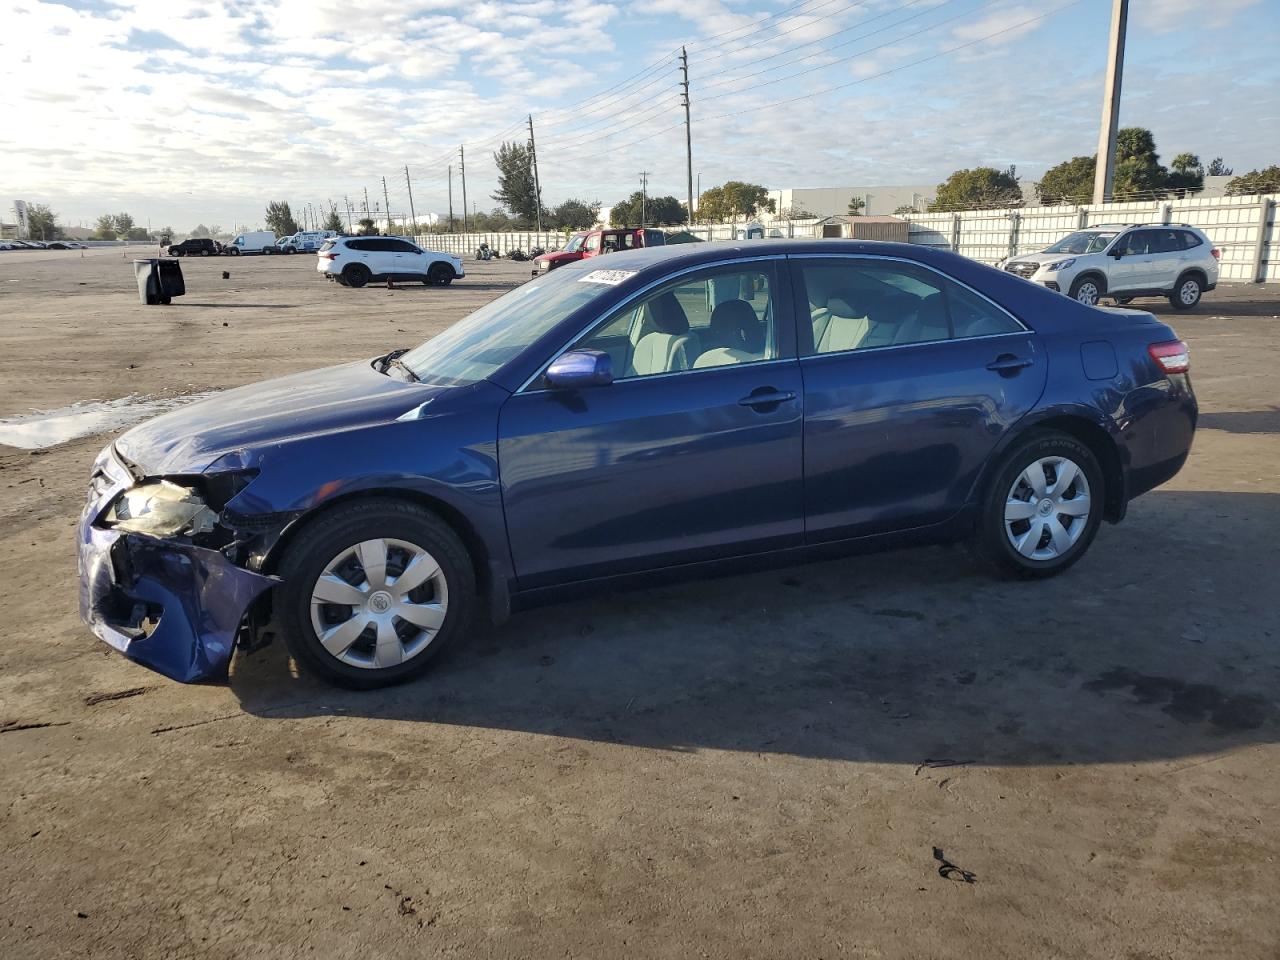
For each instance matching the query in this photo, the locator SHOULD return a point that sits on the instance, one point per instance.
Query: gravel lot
(807, 762)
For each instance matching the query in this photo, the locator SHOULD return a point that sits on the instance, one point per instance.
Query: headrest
(667, 314)
(853, 304)
(734, 324)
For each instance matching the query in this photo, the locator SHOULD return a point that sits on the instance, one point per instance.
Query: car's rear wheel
(204, 253)
(373, 592)
(440, 274)
(1043, 507)
(1086, 290)
(356, 275)
(1187, 293)
(1123, 301)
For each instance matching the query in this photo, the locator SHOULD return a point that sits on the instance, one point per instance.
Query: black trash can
(159, 281)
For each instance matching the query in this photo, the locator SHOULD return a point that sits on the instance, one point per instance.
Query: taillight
(328, 256)
(1217, 254)
(1172, 355)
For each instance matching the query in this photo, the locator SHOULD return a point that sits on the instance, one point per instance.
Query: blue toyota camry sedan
(670, 411)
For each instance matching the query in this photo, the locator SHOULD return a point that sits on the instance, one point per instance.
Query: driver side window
(720, 318)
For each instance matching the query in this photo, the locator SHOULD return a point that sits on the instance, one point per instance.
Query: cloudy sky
(186, 113)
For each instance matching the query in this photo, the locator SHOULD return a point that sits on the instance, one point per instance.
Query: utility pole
(408, 184)
(451, 198)
(366, 202)
(462, 161)
(644, 189)
(350, 224)
(537, 187)
(387, 200)
(688, 133)
(1104, 173)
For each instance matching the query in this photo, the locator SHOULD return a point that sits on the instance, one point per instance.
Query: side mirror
(1117, 253)
(580, 368)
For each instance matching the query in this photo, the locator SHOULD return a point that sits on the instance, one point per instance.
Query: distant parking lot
(806, 762)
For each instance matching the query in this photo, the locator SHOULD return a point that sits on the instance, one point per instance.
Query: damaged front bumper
(170, 605)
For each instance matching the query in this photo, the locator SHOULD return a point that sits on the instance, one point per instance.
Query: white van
(256, 241)
(305, 241)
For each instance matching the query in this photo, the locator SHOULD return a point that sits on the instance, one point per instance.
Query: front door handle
(766, 398)
(1007, 364)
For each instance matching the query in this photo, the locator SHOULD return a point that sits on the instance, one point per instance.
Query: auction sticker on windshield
(611, 277)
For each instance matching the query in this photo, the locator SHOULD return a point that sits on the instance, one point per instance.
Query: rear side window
(865, 304)
(1189, 239)
(1165, 241)
(328, 245)
(361, 245)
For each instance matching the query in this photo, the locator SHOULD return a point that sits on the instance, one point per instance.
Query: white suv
(354, 261)
(1123, 261)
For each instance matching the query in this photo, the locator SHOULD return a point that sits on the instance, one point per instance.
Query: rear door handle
(1007, 364)
(766, 397)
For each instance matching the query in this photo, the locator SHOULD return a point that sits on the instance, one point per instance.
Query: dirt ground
(802, 763)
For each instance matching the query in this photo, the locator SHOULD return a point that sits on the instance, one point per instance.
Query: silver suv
(1124, 261)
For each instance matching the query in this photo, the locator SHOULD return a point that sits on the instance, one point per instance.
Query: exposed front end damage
(172, 603)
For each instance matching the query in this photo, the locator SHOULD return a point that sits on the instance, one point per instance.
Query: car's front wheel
(356, 275)
(1043, 507)
(1086, 290)
(1187, 294)
(440, 274)
(373, 592)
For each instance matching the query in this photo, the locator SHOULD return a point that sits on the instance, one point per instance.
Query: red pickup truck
(592, 243)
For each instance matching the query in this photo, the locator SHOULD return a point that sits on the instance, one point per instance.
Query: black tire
(1186, 292)
(992, 539)
(1123, 301)
(440, 274)
(356, 275)
(234, 251)
(204, 253)
(320, 542)
(1087, 289)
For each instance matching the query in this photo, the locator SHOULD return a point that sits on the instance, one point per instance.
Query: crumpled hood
(191, 438)
(558, 256)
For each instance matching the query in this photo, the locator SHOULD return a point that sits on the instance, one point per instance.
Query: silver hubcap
(1088, 293)
(379, 603)
(1047, 508)
(1190, 290)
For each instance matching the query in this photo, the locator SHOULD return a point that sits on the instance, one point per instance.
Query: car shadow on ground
(1147, 650)
(1242, 421)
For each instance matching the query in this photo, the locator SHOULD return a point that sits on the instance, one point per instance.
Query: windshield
(1084, 241)
(478, 345)
(574, 244)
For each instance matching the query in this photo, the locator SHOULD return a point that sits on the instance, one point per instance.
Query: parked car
(617, 239)
(195, 247)
(255, 241)
(1124, 261)
(571, 252)
(666, 413)
(354, 261)
(57, 245)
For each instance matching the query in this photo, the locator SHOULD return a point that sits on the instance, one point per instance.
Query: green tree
(43, 222)
(495, 221)
(1218, 169)
(515, 181)
(1138, 173)
(1186, 174)
(976, 188)
(367, 228)
(628, 212)
(576, 214)
(734, 200)
(199, 230)
(124, 224)
(1071, 181)
(903, 210)
(333, 222)
(856, 206)
(280, 219)
(1255, 181)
